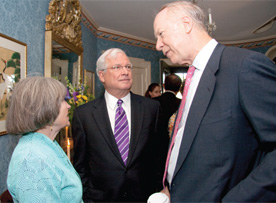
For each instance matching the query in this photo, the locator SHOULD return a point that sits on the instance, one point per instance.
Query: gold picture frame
(89, 80)
(13, 67)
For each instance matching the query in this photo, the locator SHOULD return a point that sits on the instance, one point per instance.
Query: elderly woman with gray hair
(39, 170)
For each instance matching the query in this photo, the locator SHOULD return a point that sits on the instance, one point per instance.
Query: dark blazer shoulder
(143, 100)
(239, 54)
(98, 102)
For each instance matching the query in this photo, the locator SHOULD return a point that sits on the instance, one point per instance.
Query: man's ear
(101, 76)
(187, 23)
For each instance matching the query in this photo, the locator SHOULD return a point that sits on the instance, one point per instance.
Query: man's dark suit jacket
(98, 160)
(169, 103)
(228, 147)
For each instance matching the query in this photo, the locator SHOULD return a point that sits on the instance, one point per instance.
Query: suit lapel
(137, 114)
(199, 105)
(101, 118)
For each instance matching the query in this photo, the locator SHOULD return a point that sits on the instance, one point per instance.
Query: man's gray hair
(111, 54)
(188, 8)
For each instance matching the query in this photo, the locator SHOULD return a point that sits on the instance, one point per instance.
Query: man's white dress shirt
(199, 63)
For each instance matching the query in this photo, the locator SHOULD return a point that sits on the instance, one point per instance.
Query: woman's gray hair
(188, 8)
(111, 54)
(34, 104)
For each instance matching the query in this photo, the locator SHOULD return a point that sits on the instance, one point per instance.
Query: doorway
(141, 75)
(167, 68)
(60, 69)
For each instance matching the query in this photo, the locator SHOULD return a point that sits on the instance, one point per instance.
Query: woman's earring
(52, 127)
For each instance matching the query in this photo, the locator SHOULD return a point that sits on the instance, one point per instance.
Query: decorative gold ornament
(64, 20)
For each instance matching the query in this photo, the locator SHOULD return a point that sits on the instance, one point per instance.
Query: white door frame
(141, 63)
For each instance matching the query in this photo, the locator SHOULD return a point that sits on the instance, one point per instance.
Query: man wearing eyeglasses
(116, 138)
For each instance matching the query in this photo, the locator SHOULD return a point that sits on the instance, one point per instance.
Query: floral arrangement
(77, 96)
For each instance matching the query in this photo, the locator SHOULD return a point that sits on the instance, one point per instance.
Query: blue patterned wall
(89, 49)
(25, 21)
(7, 145)
(89, 52)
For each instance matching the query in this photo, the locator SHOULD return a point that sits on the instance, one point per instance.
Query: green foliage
(14, 62)
(16, 55)
(11, 63)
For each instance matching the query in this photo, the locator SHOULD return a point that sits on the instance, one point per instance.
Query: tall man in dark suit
(225, 143)
(114, 168)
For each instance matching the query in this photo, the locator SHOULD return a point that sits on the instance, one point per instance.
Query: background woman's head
(34, 104)
(154, 90)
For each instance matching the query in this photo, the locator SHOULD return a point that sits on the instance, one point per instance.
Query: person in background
(223, 147)
(169, 103)
(39, 170)
(154, 90)
(117, 163)
(172, 118)
(168, 100)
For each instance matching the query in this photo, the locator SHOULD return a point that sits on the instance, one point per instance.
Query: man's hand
(166, 192)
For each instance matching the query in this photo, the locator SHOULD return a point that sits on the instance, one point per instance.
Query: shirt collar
(170, 91)
(112, 101)
(204, 55)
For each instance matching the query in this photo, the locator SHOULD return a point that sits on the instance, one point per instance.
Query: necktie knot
(191, 69)
(119, 102)
(190, 72)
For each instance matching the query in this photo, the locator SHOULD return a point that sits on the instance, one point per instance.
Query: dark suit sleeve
(257, 91)
(80, 159)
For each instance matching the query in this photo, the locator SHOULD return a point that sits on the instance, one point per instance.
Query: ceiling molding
(102, 29)
(256, 43)
(112, 35)
(115, 36)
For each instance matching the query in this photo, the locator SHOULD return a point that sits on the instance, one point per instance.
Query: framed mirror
(63, 51)
(62, 59)
(63, 45)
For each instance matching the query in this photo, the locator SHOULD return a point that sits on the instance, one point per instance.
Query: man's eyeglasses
(120, 67)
